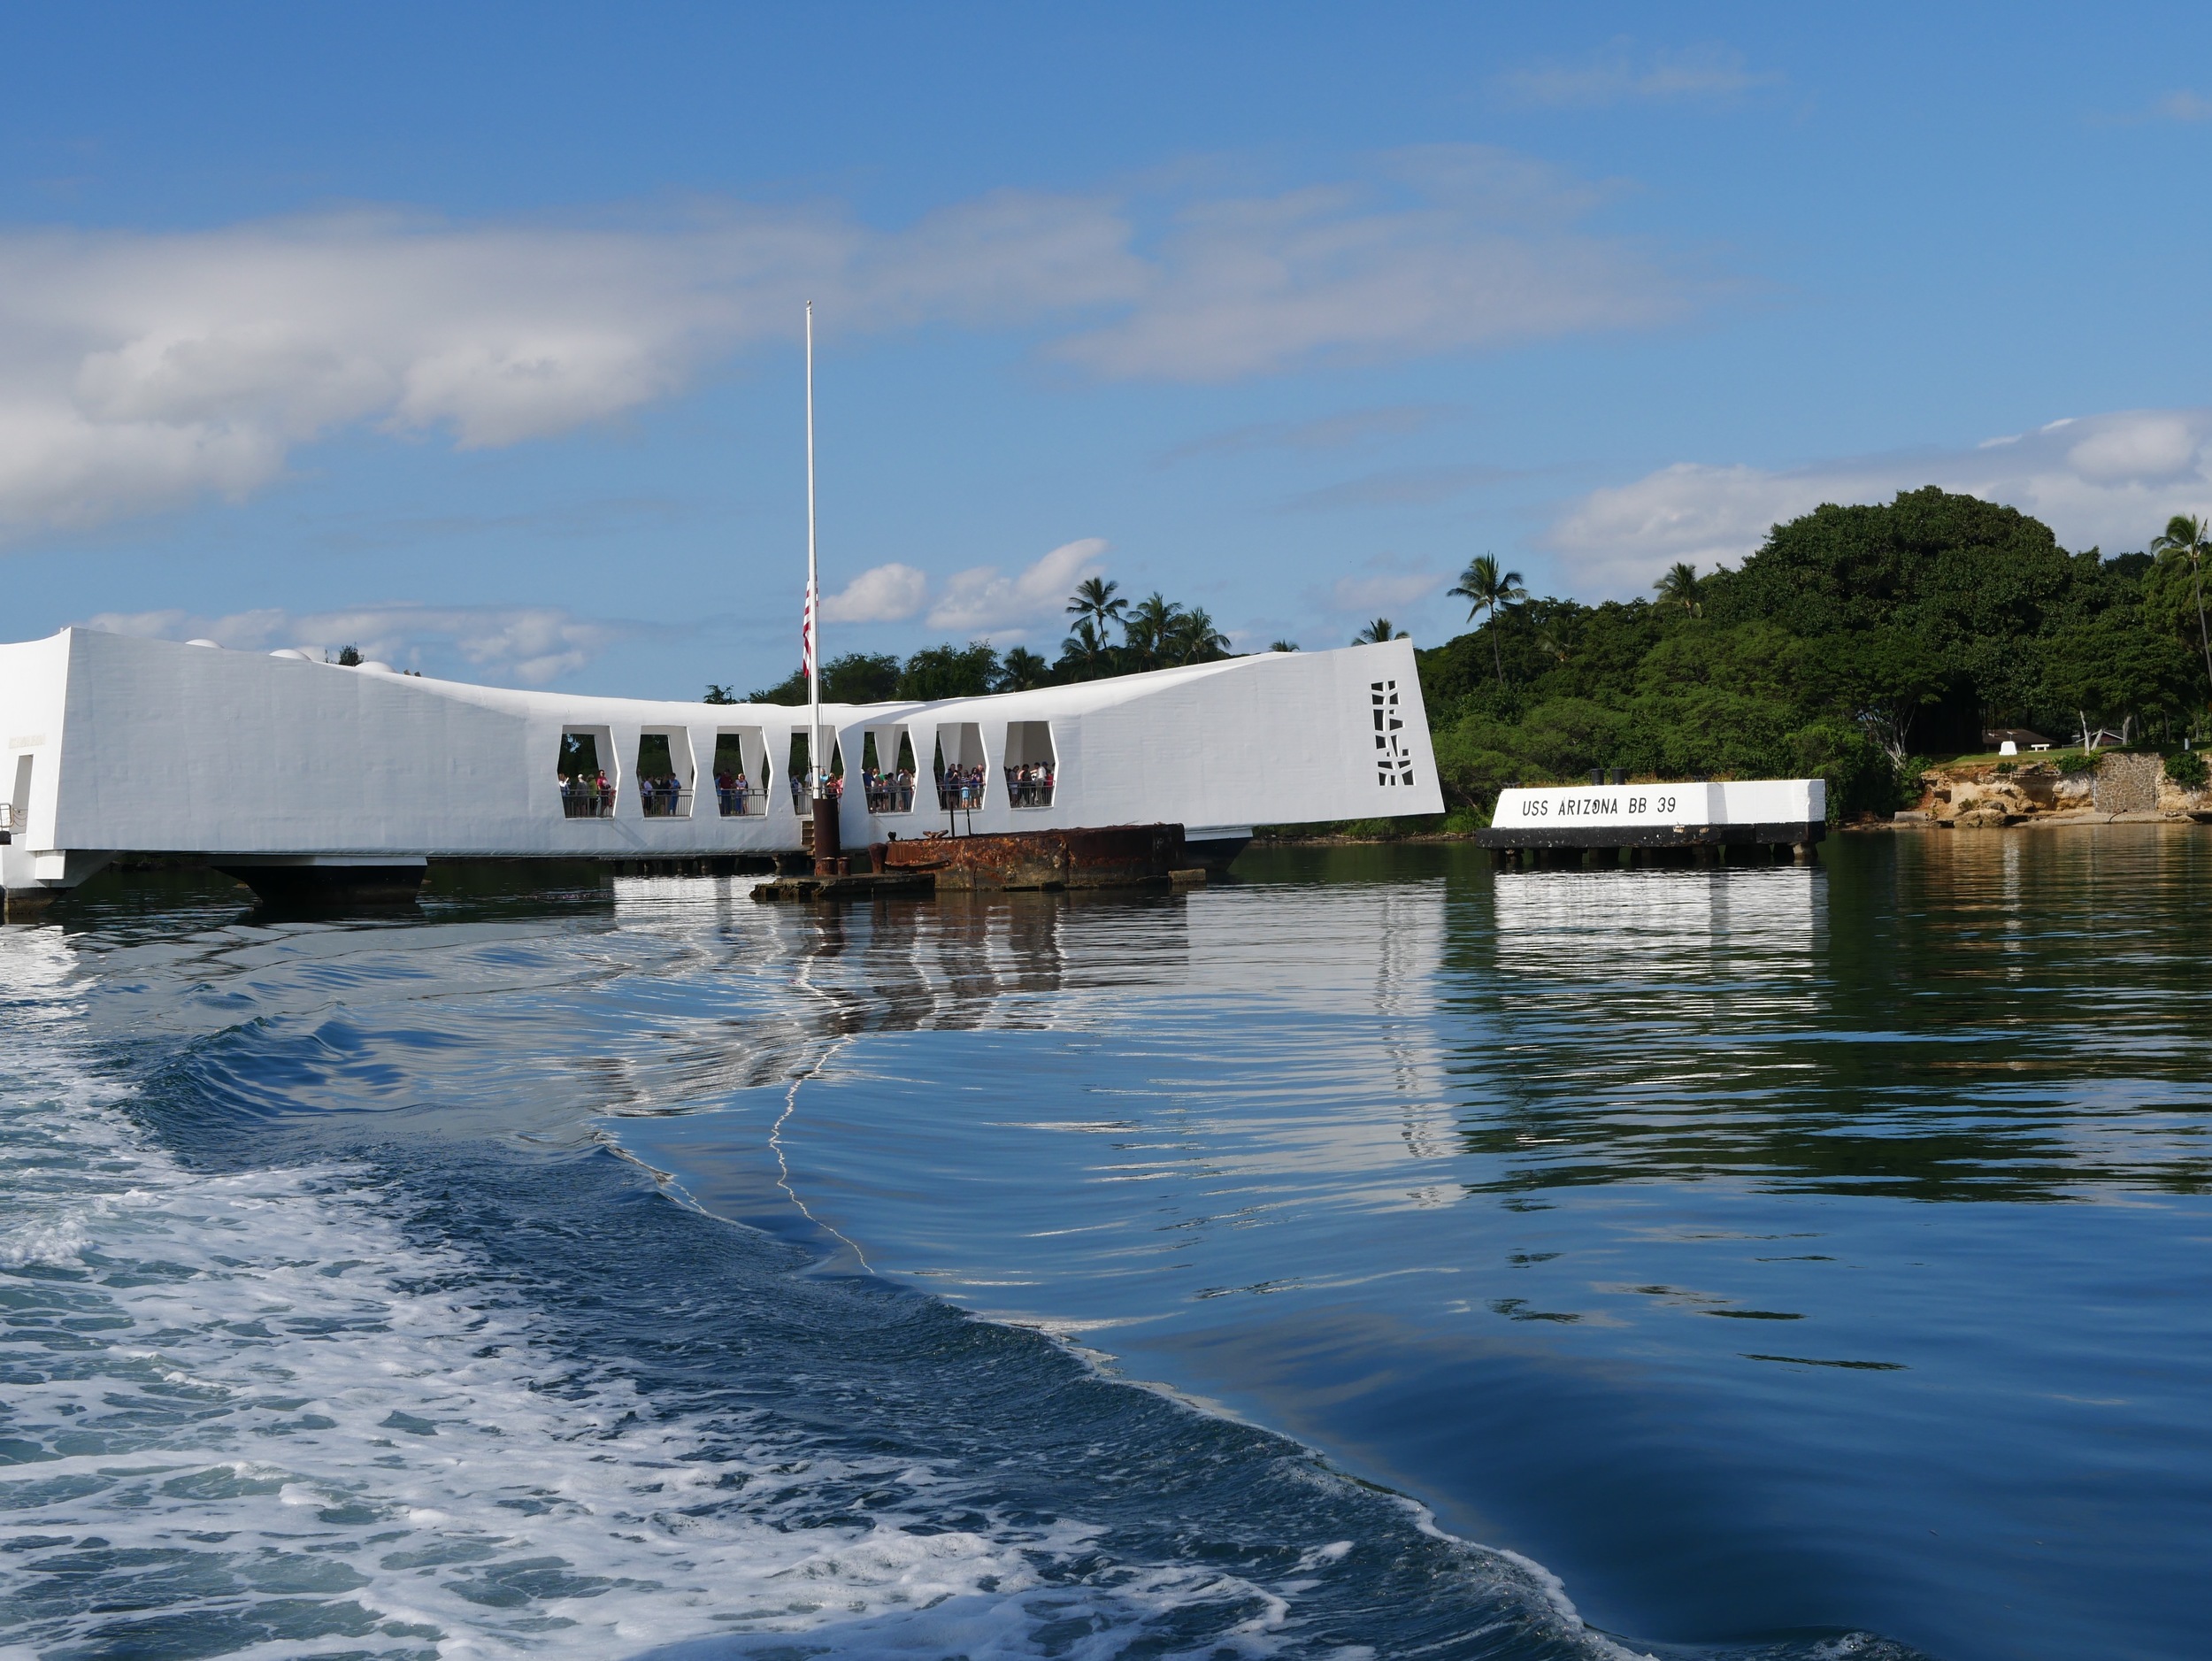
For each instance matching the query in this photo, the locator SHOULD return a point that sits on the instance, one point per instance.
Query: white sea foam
(256, 1403)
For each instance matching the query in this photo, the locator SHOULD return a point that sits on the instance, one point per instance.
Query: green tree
(1284, 645)
(1680, 587)
(1086, 654)
(789, 690)
(1148, 631)
(1022, 669)
(1193, 638)
(860, 677)
(857, 677)
(717, 693)
(1095, 600)
(1378, 631)
(2184, 542)
(1487, 588)
(2111, 670)
(951, 671)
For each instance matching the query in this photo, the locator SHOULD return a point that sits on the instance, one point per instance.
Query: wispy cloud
(532, 644)
(140, 370)
(2109, 480)
(1445, 249)
(1342, 431)
(1400, 486)
(1383, 583)
(1622, 74)
(2182, 106)
(984, 601)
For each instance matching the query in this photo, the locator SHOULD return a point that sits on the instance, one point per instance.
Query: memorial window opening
(583, 767)
(802, 773)
(741, 773)
(887, 770)
(960, 768)
(664, 775)
(1032, 768)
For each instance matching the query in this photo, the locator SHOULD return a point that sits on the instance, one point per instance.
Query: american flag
(806, 633)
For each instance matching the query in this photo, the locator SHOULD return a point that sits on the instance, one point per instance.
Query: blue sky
(470, 335)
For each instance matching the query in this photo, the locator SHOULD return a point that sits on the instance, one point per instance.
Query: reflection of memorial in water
(1630, 925)
(1647, 1023)
(959, 961)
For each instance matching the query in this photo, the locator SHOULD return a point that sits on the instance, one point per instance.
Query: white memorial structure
(119, 746)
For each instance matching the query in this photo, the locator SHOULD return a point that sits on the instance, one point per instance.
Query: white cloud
(882, 594)
(983, 601)
(1620, 75)
(142, 370)
(1459, 248)
(532, 644)
(2107, 480)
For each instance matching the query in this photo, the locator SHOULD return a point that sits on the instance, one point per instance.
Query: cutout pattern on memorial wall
(1394, 764)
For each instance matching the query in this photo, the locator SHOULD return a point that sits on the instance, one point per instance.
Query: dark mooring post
(826, 843)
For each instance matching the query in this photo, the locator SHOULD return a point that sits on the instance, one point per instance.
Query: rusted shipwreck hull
(1116, 857)
(1119, 857)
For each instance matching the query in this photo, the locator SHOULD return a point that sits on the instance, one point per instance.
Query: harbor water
(1375, 1255)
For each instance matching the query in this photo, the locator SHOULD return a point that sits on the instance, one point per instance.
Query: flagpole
(826, 829)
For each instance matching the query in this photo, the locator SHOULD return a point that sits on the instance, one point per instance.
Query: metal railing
(1030, 786)
(892, 795)
(960, 790)
(664, 798)
(739, 799)
(799, 802)
(586, 800)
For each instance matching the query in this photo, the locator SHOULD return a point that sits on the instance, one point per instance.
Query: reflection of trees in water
(1984, 1016)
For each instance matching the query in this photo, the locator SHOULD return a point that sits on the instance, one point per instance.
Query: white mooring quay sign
(1748, 802)
(1756, 812)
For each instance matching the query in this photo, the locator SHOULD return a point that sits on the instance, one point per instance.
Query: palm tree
(2186, 538)
(1378, 631)
(1680, 587)
(1021, 669)
(1193, 638)
(1487, 588)
(1284, 645)
(1094, 598)
(1551, 642)
(1150, 629)
(1087, 651)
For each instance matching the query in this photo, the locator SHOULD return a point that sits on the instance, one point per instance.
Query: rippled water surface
(1376, 1257)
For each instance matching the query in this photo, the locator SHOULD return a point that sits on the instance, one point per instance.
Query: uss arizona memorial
(118, 746)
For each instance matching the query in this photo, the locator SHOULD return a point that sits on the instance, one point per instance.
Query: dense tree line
(1853, 645)
(1108, 635)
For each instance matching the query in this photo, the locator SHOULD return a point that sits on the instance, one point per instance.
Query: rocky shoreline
(2126, 787)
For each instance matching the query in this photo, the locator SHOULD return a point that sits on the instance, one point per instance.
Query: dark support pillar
(827, 848)
(1803, 852)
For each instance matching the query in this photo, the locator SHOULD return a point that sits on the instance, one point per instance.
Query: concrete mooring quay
(1610, 822)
